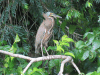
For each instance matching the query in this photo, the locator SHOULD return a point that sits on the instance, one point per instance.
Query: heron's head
(49, 14)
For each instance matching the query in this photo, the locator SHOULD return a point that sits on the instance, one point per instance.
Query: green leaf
(89, 73)
(3, 42)
(7, 59)
(94, 73)
(56, 42)
(51, 64)
(37, 64)
(76, 13)
(59, 48)
(87, 33)
(72, 29)
(17, 39)
(85, 55)
(80, 44)
(25, 6)
(14, 47)
(98, 70)
(67, 44)
(92, 55)
(63, 25)
(88, 4)
(66, 39)
(36, 69)
(6, 65)
(90, 41)
(6, 47)
(95, 45)
(52, 48)
(69, 40)
(70, 54)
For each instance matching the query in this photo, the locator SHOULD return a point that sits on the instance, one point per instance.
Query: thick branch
(67, 59)
(35, 59)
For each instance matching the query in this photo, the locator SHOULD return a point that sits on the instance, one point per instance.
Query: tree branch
(67, 59)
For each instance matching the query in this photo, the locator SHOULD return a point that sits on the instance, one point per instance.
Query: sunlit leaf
(98, 70)
(70, 54)
(6, 65)
(67, 44)
(59, 48)
(17, 39)
(88, 4)
(56, 42)
(13, 48)
(89, 73)
(26, 6)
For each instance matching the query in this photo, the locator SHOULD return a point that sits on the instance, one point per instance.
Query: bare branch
(62, 65)
(75, 67)
(67, 59)
(16, 55)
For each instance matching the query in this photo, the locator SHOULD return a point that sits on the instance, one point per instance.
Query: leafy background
(20, 19)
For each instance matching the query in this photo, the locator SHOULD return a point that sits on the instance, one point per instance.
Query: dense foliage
(20, 19)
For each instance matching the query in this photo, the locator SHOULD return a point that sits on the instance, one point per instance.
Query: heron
(44, 32)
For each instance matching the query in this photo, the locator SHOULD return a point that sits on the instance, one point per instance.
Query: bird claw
(48, 32)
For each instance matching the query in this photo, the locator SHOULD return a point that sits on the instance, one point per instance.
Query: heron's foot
(48, 32)
(42, 55)
(47, 52)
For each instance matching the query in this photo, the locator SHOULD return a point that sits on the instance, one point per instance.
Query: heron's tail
(36, 49)
(37, 52)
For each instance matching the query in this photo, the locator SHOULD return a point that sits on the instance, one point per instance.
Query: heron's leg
(42, 43)
(41, 47)
(46, 51)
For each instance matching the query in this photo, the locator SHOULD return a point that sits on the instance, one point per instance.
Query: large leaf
(80, 44)
(95, 45)
(85, 55)
(86, 34)
(90, 41)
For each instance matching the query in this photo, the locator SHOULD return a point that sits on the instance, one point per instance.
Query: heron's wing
(39, 35)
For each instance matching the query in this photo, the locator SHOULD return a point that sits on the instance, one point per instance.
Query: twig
(44, 6)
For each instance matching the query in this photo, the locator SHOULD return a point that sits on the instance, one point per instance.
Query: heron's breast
(49, 23)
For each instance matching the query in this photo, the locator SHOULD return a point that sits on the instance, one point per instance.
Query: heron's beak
(55, 16)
